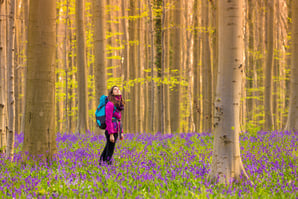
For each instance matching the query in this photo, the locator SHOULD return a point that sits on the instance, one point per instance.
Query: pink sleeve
(109, 115)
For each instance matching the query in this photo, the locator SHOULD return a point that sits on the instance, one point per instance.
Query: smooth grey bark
(226, 161)
(3, 139)
(10, 79)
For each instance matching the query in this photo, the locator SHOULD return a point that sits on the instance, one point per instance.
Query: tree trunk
(3, 139)
(66, 61)
(17, 65)
(147, 122)
(109, 40)
(163, 61)
(125, 62)
(167, 73)
(268, 69)
(196, 70)
(156, 34)
(141, 105)
(100, 70)
(176, 69)
(133, 65)
(59, 74)
(26, 21)
(70, 87)
(82, 123)
(206, 67)
(226, 160)
(292, 123)
(250, 59)
(189, 125)
(10, 79)
(152, 84)
(39, 134)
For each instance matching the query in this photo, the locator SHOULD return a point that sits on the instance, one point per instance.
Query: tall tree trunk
(189, 125)
(276, 76)
(167, 71)
(17, 65)
(196, 70)
(226, 160)
(39, 134)
(66, 61)
(141, 105)
(257, 64)
(3, 139)
(292, 123)
(152, 83)
(10, 79)
(82, 123)
(206, 67)
(250, 58)
(175, 97)
(156, 32)
(70, 88)
(109, 40)
(59, 74)
(100, 70)
(26, 21)
(72, 80)
(133, 65)
(147, 121)
(163, 61)
(269, 68)
(125, 62)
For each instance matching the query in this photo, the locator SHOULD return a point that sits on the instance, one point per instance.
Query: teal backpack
(100, 113)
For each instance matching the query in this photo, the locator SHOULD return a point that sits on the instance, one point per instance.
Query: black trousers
(108, 151)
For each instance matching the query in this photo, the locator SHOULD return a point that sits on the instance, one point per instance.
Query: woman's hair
(112, 98)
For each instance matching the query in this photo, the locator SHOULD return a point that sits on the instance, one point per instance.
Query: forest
(210, 90)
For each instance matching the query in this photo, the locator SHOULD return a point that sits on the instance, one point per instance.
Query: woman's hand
(112, 138)
(121, 137)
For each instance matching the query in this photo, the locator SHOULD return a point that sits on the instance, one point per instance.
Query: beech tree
(226, 160)
(133, 67)
(196, 69)
(2, 77)
(268, 68)
(60, 56)
(176, 40)
(206, 70)
(10, 79)
(39, 133)
(292, 123)
(82, 122)
(99, 51)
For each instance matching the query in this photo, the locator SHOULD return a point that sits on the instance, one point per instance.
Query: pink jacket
(112, 127)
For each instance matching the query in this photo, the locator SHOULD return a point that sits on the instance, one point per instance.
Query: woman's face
(116, 91)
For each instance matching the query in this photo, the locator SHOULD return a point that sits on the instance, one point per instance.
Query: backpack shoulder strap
(106, 101)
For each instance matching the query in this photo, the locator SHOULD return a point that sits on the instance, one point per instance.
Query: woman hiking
(113, 121)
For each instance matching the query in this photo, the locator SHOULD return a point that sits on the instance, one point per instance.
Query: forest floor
(153, 166)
